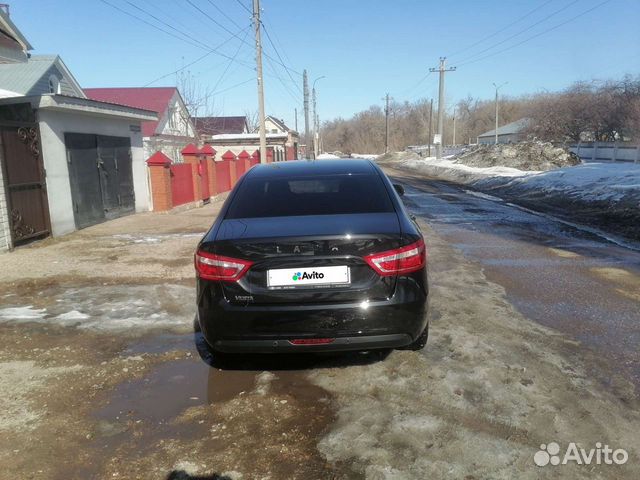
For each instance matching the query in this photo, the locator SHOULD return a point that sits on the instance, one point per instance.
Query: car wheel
(420, 342)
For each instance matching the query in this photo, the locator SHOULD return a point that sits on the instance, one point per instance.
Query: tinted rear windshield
(318, 195)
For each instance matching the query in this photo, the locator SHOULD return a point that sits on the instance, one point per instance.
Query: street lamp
(315, 117)
(498, 87)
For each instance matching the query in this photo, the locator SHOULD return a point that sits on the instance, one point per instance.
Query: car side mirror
(399, 188)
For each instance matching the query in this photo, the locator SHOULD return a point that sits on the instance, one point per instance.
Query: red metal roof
(158, 158)
(190, 149)
(149, 98)
(229, 155)
(208, 150)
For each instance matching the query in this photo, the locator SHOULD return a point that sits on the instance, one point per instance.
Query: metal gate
(24, 174)
(100, 176)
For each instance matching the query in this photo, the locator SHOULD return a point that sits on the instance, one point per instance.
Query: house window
(54, 84)
(172, 118)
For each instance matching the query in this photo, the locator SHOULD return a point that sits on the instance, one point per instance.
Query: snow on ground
(106, 308)
(457, 172)
(366, 156)
(593, 181)
(327, 156)
(606, 195)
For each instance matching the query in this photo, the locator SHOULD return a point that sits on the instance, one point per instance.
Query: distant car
(310, 256)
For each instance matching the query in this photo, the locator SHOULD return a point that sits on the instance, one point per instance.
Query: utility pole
(263, 132)
(295, 113)
(386, 124)
(430, 121)
(315, 119)
(305, 89)
(441, 69)
(315, 123)
(497, 88)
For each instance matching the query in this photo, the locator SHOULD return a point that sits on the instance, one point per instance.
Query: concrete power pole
(295, 114)
(497, 88)
(263, 132)
(386, 124)
(305, 88)
(441, 69)
(315, 123)
(430, 122)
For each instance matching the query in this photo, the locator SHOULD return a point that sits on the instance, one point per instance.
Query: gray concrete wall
(5, 232)
(53, 126)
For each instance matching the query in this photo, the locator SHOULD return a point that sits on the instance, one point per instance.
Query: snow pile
(529, 156)
(327, 156)
(449, 169)
(366, 156)
(593, 181)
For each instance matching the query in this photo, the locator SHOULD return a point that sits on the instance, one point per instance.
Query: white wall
(53, 126)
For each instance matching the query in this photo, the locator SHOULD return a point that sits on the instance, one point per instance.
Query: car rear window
(319, 195)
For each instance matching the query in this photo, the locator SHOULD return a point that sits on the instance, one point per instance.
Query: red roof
(159, 158)
(208, 150)
(155, 99)
(229, 155)
(190, 149)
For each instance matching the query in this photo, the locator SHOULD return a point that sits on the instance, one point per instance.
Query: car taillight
(400, 260)
(216, 267)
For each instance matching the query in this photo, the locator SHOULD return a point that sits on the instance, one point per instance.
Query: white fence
(606, 151)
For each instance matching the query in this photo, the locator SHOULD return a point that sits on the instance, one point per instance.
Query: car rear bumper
(391, 323)
(341, 344)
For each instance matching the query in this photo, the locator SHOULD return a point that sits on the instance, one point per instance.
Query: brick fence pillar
(160, 177)
(191, 155)
(230, 157)
(209, 154)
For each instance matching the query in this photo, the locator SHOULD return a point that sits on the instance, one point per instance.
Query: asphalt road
(557, 274)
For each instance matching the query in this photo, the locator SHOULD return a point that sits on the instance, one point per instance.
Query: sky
(363, 49)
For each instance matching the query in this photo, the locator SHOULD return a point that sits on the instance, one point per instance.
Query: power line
(186, 40)
(417, 84)
(229, 31)
(244, 6)
(284, 85)
(520, 32)
(159, 20)
(536, 35)
(501, 30)
(231, 61)
(223, 13)
(150, 24)
(278, 54)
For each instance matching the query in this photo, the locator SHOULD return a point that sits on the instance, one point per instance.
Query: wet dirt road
(560, 275)
(102, 375)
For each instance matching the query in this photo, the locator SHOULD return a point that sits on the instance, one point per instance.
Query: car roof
(303, 168)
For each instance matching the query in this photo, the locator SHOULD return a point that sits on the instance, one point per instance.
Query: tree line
(597, 110)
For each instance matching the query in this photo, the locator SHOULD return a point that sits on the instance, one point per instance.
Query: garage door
(100, 176)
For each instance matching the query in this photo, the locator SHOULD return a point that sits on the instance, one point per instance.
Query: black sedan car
(313, 256)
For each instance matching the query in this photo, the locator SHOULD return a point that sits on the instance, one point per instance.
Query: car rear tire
(420, 342)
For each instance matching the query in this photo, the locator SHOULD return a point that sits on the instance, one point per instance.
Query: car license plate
(300, 277)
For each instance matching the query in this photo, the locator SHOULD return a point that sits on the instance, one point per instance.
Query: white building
(66, 162)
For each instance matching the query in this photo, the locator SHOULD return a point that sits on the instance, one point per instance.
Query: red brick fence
(200, 176)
